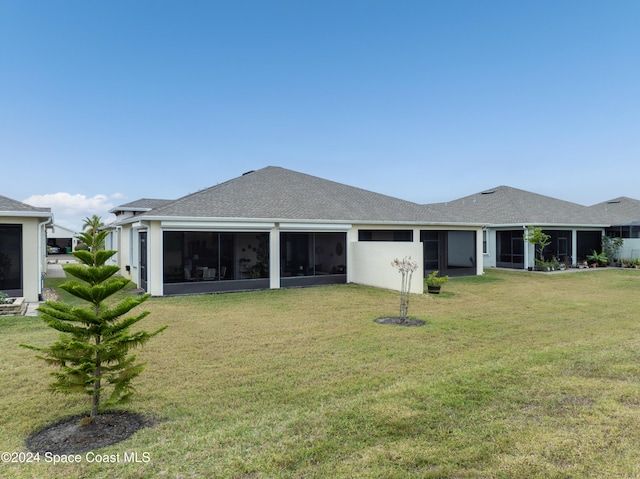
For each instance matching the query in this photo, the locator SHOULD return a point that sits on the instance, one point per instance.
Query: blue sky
(105, 102)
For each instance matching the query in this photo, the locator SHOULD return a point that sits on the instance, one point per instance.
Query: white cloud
(70, 210)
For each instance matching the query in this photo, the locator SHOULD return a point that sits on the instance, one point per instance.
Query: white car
(54, 250)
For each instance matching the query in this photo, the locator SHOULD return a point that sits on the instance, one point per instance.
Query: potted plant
(597, 259)
(435, 282)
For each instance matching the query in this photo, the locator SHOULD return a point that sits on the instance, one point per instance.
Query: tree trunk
(95, 403)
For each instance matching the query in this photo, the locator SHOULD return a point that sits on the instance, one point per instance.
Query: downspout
(41, 229)
(119, 247)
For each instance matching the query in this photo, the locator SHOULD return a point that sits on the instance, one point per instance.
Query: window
(209, 256)
(385, 235)
(632, 231)
(450, 252)
(10, 258)
(312, 254)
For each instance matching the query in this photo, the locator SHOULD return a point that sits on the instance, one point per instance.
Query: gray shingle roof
(504, 205)
(281, 194)
(618, 211)
(142, 204)
(275, 193)
(7, 205)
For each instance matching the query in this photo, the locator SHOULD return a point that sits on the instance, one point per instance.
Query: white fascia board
(315, 227)
(217, 225)
(27, 214)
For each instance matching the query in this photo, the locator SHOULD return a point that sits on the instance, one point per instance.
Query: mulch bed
(69, 437)
(49, 294)
(400, 322)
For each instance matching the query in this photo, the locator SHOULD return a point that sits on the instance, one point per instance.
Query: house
(115, 241)
(60, 240)
(276, 227)
(22, 248)
(623, 215)
(507, 214)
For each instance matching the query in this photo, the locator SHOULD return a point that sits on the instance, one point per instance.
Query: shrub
(4, 298)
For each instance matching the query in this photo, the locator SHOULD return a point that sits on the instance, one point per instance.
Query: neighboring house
(507, 214)
(60, 240)
(22, 248)
(275, 228)
(623, 215)
(114, 240)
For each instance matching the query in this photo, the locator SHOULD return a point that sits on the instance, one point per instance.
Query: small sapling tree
(93, 351)
(405, 267)
(540, 241)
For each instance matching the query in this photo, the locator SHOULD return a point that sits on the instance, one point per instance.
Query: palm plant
(92, 226)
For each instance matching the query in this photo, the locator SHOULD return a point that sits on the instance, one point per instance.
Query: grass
(515, 375)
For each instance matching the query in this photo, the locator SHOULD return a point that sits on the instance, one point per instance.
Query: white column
(154, 259)
(479, 251)
(527, 248)
(274, 257)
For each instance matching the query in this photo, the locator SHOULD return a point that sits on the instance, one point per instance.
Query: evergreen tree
(93, 351)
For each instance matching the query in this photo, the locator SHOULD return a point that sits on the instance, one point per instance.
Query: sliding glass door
(312, 258)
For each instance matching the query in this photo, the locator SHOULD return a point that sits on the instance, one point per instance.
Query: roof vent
(248, 172)
(613, 202)
(488, 192)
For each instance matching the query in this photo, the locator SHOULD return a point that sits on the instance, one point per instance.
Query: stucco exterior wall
(134, 252)
(371, 264)
(489, 259)
(630, 248)
(32, 263)
(123, 245)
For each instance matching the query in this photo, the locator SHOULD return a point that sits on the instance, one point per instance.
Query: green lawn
(515, 375)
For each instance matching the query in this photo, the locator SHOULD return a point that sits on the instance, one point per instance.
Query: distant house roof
(9, 207)
(143, 204)
(620, 211)
(276, 193)
(504, 205)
